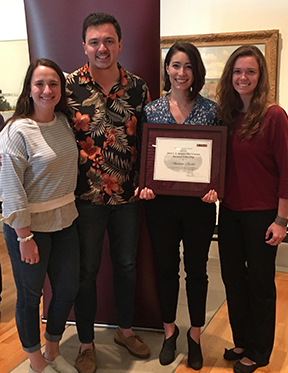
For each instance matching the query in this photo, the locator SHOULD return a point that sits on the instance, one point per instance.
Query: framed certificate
(183, 159)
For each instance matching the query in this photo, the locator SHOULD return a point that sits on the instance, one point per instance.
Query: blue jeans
(122, 224)
(59, 258)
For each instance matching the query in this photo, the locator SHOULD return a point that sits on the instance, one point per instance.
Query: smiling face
(245, 76)
(102, 46)
(180, 71)
(45, 89)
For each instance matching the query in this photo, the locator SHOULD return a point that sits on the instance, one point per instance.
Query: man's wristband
(281, 221)
(25, 239)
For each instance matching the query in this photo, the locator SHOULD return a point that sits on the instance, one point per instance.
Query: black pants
(248, 272)
(172, 219)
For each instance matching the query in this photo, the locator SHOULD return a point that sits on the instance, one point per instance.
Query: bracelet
(25, 239)
(281, 221)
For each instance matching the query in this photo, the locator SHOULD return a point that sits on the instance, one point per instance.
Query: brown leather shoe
(86, 361)
(134, 344)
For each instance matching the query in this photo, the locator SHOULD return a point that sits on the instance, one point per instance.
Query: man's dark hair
(97, 19)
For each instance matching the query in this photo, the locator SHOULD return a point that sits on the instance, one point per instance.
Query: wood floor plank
(218, 335)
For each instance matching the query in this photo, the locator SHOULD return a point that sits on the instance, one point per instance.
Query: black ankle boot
(232, 355)
(195, 358)
(167, 354)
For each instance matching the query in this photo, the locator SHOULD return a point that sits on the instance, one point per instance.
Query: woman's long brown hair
(229, 101)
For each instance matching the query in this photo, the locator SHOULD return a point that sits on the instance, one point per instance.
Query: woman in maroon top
(254, 212)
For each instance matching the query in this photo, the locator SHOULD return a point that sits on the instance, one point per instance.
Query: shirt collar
(85, 77)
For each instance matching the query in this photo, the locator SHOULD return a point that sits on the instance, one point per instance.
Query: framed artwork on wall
(216, 48)
(13, 65)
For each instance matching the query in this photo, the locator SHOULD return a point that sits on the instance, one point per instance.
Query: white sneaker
(61, 365)
(48, 369)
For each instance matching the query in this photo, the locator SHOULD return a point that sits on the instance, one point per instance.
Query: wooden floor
(215, 338)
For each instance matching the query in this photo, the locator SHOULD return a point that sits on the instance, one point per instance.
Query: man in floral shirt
(108, 103)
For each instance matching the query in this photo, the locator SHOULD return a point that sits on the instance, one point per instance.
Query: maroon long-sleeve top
(257, 169)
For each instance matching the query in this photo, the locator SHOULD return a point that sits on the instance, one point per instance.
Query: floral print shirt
(203, 112)
(108, 133)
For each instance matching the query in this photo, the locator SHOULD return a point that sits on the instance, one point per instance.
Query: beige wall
(12, 25)
(188, 17)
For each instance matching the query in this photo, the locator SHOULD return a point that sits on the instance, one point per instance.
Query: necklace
(181, 107)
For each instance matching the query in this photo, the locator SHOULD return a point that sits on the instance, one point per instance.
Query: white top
(38, 174)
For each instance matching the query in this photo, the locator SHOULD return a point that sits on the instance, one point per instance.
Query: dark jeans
(59, 257)
(172, 219)
(248, 272)
(122, 223)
